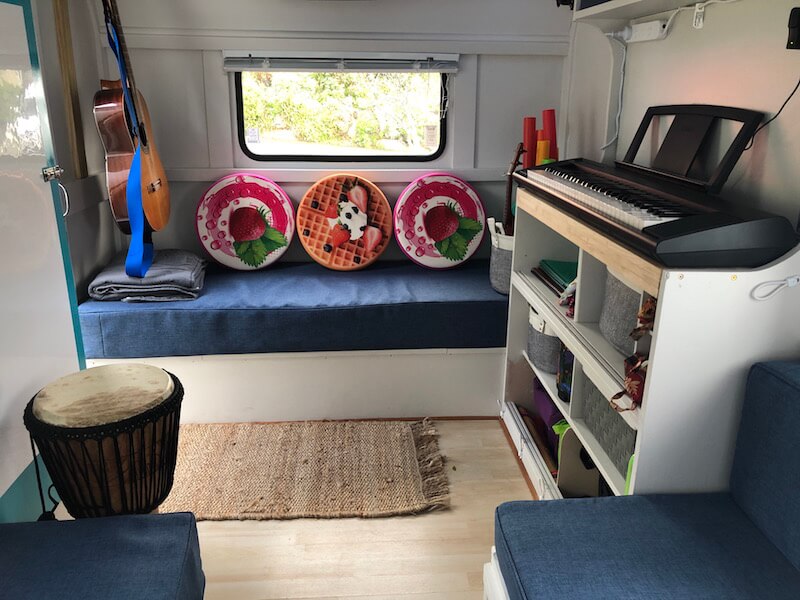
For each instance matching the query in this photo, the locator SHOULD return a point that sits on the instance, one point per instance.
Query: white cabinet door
(39, 336)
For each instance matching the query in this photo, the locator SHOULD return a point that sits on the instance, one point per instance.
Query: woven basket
(608, 427)
(618, 316)
(543, 347)
(500, 259)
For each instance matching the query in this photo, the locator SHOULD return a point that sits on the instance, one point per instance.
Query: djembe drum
(109, 437)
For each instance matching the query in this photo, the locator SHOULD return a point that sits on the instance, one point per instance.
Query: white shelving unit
(617, 13)
(708, 332)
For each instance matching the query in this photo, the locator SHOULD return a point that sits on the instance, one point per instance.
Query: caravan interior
(372, 299)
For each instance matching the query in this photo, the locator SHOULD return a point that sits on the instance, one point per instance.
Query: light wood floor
(433, 556)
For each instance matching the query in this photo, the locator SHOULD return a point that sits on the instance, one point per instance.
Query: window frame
(329, 158)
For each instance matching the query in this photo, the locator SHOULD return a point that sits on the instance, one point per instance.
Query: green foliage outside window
(384, 112)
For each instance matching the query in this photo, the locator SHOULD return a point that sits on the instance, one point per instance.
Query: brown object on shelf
(541, 444)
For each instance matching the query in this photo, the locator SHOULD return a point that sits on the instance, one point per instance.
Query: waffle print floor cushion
(344, 222)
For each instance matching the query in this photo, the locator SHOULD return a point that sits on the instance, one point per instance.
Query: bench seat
(126, 558)
(661, 546)
(304, 307)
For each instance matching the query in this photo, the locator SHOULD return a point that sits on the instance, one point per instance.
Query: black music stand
(683, 155)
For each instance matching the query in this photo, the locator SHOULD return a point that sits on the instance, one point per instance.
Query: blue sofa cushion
(305, 307)
(765, 480)
(681, 546)
(126, 558)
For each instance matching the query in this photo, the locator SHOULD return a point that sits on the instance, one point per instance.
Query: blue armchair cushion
(765, 480)
(303, 308)
(670, 546)
(125, 558)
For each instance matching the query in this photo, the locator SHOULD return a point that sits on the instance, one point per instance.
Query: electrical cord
(777, 114)
(618, 118)
(667, 28)
(773, 288)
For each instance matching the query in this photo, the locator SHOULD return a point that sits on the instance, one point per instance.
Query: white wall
(738, 59)
(590, 93)
(512, 56)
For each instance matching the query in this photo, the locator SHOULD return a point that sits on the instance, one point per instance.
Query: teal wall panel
(21, 501)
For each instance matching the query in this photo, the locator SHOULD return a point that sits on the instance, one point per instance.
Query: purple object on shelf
(549, 414)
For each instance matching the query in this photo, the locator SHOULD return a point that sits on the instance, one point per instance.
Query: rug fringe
(435, 485)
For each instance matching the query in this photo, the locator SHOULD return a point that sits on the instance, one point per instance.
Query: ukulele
(124, 124)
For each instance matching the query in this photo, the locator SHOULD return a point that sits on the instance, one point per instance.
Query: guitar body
(113, 125)
(110, 118)
(155, 188)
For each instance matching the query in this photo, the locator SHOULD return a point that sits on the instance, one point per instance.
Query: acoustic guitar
(124, 125)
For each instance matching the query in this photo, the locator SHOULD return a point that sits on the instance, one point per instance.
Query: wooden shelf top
(634, 268)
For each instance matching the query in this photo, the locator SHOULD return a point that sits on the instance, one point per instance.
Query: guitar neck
(111, 7)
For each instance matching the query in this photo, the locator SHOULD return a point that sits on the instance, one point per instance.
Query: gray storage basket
(542, 348)
(500, 270)
(608, 427)
(619, 314)
(500, 259)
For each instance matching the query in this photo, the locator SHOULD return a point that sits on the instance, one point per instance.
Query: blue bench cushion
(126, 558)
(765, 480)
(305, 307)
(681, 546)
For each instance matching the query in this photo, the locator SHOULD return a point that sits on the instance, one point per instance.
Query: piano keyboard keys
(628, 205)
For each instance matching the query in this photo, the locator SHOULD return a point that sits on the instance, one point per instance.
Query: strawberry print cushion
(439, 221)
(245, 221)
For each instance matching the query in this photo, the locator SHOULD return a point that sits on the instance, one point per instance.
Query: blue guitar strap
(140, 249)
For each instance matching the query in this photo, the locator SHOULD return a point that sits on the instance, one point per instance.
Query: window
(331, 110)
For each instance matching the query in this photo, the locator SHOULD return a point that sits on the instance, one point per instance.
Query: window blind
(237, 62)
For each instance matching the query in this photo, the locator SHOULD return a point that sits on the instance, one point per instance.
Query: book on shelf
(561, 271)
(547, 280)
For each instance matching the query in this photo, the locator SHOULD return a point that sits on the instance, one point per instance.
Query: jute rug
(321, 469)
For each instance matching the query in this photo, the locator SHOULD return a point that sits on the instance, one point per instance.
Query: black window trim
(338, 158)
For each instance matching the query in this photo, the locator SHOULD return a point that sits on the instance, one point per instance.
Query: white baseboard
(335, 385)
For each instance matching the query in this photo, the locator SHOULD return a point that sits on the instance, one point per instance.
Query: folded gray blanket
(174, 275)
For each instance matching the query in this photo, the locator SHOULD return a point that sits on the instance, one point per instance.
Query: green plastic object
(560, 428)
(629, 476)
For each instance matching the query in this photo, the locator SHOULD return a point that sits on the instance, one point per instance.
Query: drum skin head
(102, 395)
(344, 222)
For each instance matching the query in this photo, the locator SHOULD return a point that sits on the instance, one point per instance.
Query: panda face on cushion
(351, 218)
